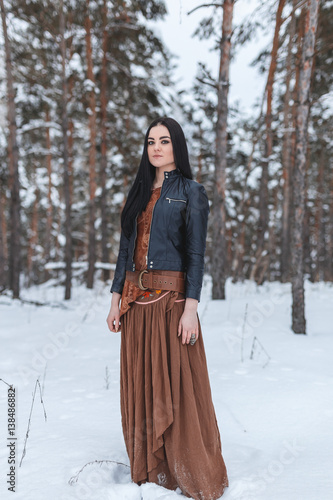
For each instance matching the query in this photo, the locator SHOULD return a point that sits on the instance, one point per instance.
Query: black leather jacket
(178, 233)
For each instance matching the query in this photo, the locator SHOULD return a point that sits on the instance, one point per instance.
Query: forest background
(87, 78)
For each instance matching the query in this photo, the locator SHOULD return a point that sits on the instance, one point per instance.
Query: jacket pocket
(175, 199)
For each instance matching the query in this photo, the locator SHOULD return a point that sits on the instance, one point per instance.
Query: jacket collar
(173, 173)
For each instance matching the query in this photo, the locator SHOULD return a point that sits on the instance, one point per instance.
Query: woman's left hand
(188, 323)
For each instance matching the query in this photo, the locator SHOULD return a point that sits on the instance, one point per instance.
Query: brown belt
(158, 280)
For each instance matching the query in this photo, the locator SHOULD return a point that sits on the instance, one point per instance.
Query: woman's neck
(159, 175)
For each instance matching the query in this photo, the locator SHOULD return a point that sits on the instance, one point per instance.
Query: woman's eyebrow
(163, 137)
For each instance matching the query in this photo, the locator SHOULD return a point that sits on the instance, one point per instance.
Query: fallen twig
(75, 478)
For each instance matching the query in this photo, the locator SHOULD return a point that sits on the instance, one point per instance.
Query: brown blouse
(132, 292)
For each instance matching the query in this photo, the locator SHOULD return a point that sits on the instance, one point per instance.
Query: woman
(168, 417)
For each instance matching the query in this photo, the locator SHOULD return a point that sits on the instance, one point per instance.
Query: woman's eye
(165, 141)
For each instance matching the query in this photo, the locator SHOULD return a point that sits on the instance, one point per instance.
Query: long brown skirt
(168, 417)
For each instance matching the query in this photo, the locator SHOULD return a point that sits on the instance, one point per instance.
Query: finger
(112, 325)
(109, 323)
(179, 328)
(187, 337)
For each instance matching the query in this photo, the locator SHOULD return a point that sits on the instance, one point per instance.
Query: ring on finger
(193, 339)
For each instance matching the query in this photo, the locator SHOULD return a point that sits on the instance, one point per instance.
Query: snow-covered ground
(275, 411)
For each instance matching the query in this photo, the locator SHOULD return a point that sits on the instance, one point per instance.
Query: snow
(78, 265)
(75, 63)
(90, 85)
(118, 198)
(274, 411)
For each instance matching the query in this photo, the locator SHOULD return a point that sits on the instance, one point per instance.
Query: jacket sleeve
(120, 271)
(196, 232)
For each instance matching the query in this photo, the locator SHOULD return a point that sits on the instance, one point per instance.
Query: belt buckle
(140, 280)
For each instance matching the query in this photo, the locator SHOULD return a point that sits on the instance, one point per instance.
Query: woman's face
(160, 150)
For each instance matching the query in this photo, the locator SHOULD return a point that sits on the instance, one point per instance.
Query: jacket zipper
(173, 199)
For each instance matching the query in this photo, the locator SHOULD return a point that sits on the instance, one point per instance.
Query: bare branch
(206, 83)
(205, 5)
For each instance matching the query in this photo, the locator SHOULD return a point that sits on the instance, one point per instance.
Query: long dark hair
(140, 191)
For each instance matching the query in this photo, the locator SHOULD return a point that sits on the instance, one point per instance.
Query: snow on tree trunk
(92, 153)
(298, 313)
(219, 250)
(64, 126)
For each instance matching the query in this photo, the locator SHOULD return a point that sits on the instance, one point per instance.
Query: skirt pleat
(168, 418)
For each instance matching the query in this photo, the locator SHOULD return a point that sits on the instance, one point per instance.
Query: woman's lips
(157, 156)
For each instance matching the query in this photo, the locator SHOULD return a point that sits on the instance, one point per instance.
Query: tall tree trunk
(14, 183)
(263, 191)
(92, 153)
(298, 58)
(287, 157)
(330, 239)
(308, 264)
(49, 209)
(272, 244)
(64, 126)
(319, 218)
(33, 238)
(104, 103)
(70, 133)
(298, 313)
(3, 240)
(219, 254)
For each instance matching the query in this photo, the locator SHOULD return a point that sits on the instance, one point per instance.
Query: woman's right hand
(113, 319)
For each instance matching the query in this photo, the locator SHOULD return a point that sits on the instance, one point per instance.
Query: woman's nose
(157, 146)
